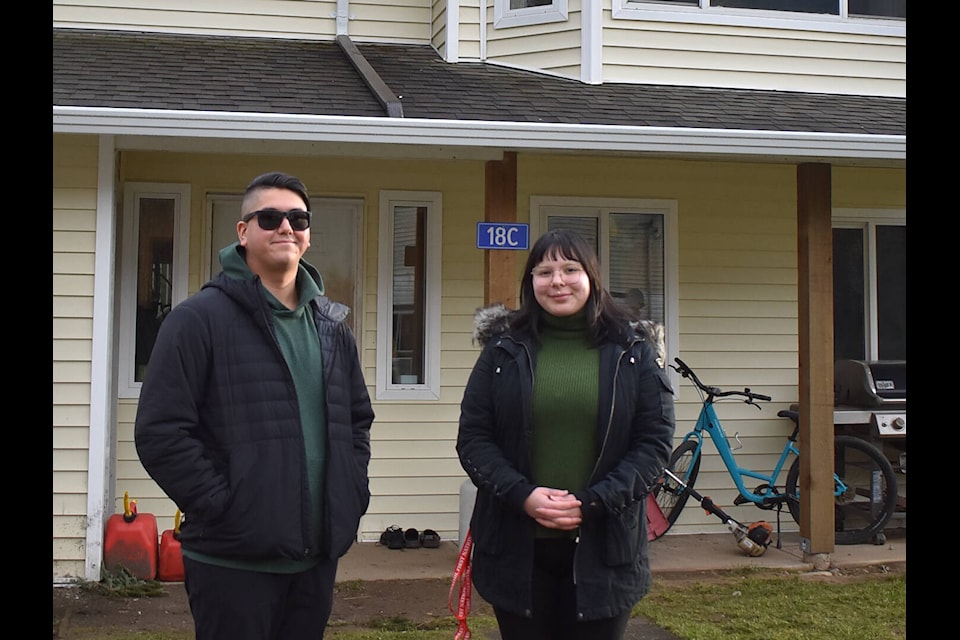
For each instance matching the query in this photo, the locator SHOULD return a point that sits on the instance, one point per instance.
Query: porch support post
(815, 370)
(500, 205)
(101, 447)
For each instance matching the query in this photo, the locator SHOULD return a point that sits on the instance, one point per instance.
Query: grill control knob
(899, 423)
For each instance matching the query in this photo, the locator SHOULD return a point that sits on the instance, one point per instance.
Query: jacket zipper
(606, 436)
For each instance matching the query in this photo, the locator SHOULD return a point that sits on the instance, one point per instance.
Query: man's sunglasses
(270, 219)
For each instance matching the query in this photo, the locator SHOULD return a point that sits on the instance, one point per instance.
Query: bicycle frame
(708, 422)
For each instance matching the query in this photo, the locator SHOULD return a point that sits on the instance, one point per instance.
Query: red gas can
(171, 558)
(131, 542)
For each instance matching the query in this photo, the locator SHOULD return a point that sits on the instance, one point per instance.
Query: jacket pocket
(622, 535)
(666, 397)
(486, 524)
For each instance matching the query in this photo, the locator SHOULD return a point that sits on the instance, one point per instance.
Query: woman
(565, 425)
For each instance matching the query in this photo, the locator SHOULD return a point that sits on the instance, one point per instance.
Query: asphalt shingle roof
(275, 76)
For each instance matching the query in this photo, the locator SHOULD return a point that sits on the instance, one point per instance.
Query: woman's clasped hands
(554, 508)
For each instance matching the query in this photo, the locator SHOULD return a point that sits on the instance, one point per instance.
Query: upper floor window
(408, 295)
(869, 285)
(154, 272)
(867, 16)
(874, 8)
(513, 13)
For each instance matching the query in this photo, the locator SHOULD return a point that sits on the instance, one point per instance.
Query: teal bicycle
(865, 484)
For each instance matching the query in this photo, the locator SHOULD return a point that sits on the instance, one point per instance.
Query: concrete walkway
(671, 553)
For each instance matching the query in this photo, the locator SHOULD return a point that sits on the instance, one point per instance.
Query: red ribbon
(462, 581)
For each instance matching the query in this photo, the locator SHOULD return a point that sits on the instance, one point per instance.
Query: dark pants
(555, 602)
(231, 604)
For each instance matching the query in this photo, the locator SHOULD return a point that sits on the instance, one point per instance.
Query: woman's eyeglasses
(568, 273)
(270, 219)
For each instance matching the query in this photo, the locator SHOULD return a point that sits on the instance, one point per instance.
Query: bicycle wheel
(671, 497)
(862, 511)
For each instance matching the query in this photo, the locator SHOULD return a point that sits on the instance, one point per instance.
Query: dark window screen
(805, 6)
(892, 292)
(849, 287)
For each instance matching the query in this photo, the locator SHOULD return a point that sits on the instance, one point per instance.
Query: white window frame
(133, 193)
(430, 388)
(705, 14)
(868, 220)
(543, 206)
(504, 16)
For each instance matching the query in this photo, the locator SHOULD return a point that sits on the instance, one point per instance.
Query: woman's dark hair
(605, 318)
(279, 180)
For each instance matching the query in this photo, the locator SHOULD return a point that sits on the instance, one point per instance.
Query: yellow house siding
(399, 21)
(750, 57)
(272, 18)
(859, 188)
(470, 30)
(74, 227)
(552, 48)
(738, 323)
(438, 26)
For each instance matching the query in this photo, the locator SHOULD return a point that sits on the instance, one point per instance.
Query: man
(254, 418)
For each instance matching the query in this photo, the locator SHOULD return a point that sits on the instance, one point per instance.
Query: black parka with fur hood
(635, 426)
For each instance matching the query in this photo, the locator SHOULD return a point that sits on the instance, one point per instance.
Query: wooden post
(500, 205)
(815, 320)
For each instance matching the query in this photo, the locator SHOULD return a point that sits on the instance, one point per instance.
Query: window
(636, 241)
(334, 244)
(878, 8)
(154, 277)
(408, 309)
(867, 16)
(513, 13)
(869, 286)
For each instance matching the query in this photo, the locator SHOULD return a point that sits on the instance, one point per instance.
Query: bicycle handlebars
(716, 392)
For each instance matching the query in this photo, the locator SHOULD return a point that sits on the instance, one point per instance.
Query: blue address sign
(503, 235)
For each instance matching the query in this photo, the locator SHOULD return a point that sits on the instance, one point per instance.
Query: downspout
(483, 30)
(376, 84)
(591, 42)
(343, 16)
(453, 31)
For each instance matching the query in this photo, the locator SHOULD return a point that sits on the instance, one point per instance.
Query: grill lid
(870, 383)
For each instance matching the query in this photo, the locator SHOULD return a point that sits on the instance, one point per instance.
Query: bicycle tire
(671, 497)
(858, 518)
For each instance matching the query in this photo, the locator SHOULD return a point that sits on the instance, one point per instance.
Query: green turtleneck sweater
(565, 397)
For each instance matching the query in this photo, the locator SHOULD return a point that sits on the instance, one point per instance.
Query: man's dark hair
(279, 180)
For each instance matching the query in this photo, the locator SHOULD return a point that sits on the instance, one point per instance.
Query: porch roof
(121, 72)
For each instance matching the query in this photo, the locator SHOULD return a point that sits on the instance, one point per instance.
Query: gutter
(799, 146)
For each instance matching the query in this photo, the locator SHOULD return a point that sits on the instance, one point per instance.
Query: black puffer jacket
(635, 426)
(218, 427)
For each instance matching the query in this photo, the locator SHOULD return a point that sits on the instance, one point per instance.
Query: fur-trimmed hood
(489, 322)
(492, 321)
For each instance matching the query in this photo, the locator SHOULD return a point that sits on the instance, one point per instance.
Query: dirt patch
(80, 614)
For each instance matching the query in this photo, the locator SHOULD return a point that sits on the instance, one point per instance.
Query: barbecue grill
(872, 392)
(870, 402)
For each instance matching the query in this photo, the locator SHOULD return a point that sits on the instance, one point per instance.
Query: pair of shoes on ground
(394, 537)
